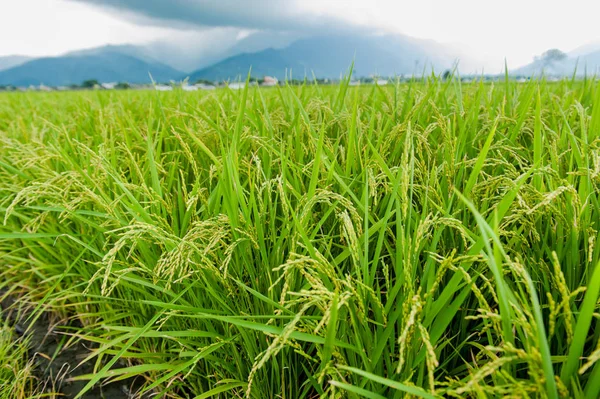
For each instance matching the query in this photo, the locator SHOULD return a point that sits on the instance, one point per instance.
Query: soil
(56, 363)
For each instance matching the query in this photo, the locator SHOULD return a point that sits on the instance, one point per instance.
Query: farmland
(422, 239)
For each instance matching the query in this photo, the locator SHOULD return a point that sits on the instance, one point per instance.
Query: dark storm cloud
(248, 14)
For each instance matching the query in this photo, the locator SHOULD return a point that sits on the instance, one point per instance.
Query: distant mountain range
(322, 57)
(331, 56)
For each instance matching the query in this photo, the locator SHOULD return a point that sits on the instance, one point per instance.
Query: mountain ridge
(106, 66)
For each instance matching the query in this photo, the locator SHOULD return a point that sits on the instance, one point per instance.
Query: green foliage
(424, 239)
(90, 83)
(122, 86)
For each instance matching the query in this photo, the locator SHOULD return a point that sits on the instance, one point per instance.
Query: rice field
(418, 240)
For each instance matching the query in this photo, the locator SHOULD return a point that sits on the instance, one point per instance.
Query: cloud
(54, 27)
(274, 15)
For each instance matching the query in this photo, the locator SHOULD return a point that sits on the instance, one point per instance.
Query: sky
(488, 31)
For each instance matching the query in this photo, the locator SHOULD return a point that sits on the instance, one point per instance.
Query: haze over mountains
(13, 61)
(582, 61)
(330, 56)
(325, 56)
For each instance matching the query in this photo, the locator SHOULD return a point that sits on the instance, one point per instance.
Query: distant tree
(447, 74)
(551, 56)
(122, 86)
(90, 83)
(203, 81)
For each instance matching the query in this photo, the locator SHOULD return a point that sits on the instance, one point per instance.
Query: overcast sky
(487, 30)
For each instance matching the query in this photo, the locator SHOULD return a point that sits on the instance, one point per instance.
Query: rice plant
(17, 380)
(423, 239)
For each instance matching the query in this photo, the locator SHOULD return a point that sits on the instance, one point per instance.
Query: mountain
(11, 61)
(331, 56)
(584, 60)
(105, 64)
